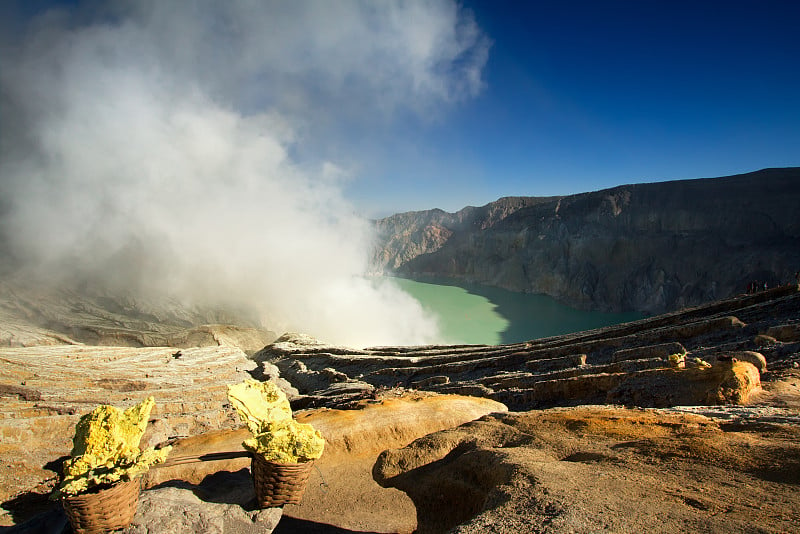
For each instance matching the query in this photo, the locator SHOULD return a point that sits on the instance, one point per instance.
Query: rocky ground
(682, 422)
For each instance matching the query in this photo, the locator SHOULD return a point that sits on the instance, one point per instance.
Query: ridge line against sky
(580, 96)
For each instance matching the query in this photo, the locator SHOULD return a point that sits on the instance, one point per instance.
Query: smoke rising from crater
(181, 149)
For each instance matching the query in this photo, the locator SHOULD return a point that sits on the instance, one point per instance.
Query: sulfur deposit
(276, 435)
(106, 448)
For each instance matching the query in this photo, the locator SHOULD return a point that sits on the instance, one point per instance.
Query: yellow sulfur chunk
(287, 441)
(259, 403)
(108, 432)
(277, 437)
(105, 448)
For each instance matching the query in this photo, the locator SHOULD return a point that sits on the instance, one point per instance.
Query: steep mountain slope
(646, 247)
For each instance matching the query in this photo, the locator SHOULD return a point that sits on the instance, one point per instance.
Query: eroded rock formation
(527, 467)
(32, 315)
(645, 247)
(602, 469)
(630, 364)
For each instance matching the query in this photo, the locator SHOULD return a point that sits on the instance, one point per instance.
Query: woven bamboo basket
(104, 510)
(278, 484)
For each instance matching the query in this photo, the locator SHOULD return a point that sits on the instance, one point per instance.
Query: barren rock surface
(31, 315)
(624, 364)
(602, 469)
(46, 389)
(554, 464)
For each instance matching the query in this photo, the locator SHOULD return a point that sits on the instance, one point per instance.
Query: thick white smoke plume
(179, 148)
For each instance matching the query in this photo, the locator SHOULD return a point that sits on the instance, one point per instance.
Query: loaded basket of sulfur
(283, 450)
(100, 485)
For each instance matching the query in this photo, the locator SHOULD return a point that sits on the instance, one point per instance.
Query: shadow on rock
(447, 491)
(291, 525)
(222, 487)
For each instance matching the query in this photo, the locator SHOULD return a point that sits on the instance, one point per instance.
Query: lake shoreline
(473, 313)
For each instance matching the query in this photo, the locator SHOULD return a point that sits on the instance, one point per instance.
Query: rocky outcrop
(32, 314)
(646, 247)
(702, 355)
(46, 389)
(406, 236)
(602, 469)
(213, 490)
(538, 464)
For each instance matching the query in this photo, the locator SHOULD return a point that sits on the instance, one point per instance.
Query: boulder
(756, 358)
(726, 382)
(223, 503)
(785, 333)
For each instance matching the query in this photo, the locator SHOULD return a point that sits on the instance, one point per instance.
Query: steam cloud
(170, 147)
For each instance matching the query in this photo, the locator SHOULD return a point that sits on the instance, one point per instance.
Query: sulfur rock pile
(106, 448)
(277, 437)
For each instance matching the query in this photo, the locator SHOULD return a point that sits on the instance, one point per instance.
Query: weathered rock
(726, 382)
(354, 438)
(33, 314)
(567, 370)
(756, 358)
(785, 332)
(227, 507)
(249, 340)
(764, 341)
(62, 383)
(636, 247)
(600, 469)
(45, 389)
(663, 350)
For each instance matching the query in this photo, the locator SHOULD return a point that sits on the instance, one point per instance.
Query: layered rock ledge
(711, 354)
(531, 466)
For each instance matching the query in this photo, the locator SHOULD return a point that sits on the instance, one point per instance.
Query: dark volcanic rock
(647, 247)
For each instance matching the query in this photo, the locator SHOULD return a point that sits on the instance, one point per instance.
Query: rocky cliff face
(646, 247)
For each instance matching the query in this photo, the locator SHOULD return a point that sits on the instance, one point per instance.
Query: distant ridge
(648, 247)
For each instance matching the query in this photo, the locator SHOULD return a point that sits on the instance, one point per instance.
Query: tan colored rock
(249, 340)
(764, 341)
(707, 326)
(599, 469)
(45, 390)
(354, 438)
(662, 350)
(786, 333)
(176, 509)
(756, 358)
(726, 382)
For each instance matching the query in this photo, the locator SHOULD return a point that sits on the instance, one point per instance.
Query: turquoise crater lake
(492, 316)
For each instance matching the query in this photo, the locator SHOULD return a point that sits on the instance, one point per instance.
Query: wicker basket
(278, 484)
(104, 510)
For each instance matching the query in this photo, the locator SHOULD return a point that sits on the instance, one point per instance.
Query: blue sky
(573, 96)
(580, 96)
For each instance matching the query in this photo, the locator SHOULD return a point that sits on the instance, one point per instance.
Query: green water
(488, 315)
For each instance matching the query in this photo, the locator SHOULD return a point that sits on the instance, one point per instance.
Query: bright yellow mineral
(105, 448)
(258, 403)
(277, 437)
(287, 442)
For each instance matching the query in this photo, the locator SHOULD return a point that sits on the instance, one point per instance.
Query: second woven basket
(279, 484)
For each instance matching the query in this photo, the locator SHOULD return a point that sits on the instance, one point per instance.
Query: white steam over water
(173, 148)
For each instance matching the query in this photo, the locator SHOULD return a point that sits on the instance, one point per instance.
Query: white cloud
(153, 148)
